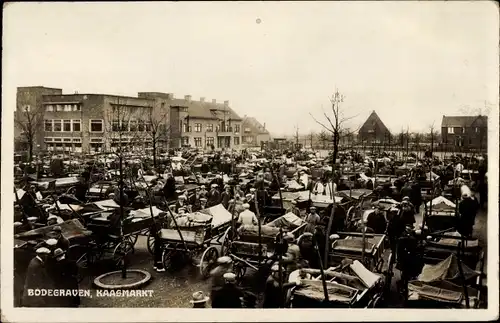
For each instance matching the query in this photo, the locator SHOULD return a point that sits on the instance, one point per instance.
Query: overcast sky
(411, 62)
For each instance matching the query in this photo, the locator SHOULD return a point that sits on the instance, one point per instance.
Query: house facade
(373, 130)
(254, 133)
(464, 132)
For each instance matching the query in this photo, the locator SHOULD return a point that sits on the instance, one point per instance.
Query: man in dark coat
(38, 277)
(169, 188)
(376, 221)
(416, 196)
(214, 197)
(226, 197)
(467, 208)
(230, 295)
(64, 273)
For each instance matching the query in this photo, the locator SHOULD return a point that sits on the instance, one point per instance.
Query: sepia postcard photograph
(224, 161)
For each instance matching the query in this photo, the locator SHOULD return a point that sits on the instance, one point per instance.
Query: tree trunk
(330, 220)
(30, 150)
(154, 153)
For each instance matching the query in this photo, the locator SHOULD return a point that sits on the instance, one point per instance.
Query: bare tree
(29, 121)
(159, 130)
(336, 127)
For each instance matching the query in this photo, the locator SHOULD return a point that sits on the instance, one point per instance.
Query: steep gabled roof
(206, 110)
(255, 125)
(373, 122)
(459, 121)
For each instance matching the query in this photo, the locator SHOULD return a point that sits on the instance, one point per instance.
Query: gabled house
(464, 132)
(253, 132)
(373, 130)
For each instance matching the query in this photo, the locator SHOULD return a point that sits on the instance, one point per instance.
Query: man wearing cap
(247, 217)
(169, 188)
(230, 295)
(38, 277)
(62, 242)
(226, 196)
(294, 209)
(213, 196)
(292, 256)
(407, 211)
(224, 265)
(467, 208)
(376, 220)
(180, 204)
(313, 217)
(199, 300)
(273, 298)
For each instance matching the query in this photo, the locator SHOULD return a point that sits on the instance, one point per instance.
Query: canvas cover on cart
(70, 229)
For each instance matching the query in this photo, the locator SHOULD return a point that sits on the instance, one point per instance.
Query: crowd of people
(246, 193)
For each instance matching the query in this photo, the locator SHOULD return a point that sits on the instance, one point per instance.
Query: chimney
(202, 99)
(226, 103)
(187, 98)
(264, 126)
(214, 101)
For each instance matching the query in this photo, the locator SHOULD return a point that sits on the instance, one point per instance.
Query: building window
(210, 127)
(57, 125)
(96, 126)
(476, 129)
(236, 141)
(67, 125)
(197, 127)
(463, 130)
(48, 125)
(197, 142)
(247, 130)
(57, 139)
(148, 127)
(237, 128)
(451, 130)
(185, 140)
(49, 108)
(210, 141)
(26, 108)
(67, 107)
(217, 128)
(77, 125)
(76, 107)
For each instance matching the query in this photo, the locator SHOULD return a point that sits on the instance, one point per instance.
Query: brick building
(464, 132)
(100, 122)
(254, 133)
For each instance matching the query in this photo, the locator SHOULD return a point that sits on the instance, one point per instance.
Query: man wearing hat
(199, 300)
(407, 211)
(247, 217)
(467, 208)
(38, 277)
(230, 295)
(169, 188)
(64, 275)
(224, 265)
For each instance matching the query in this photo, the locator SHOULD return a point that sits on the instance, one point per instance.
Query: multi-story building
(100, 122)
(254, 133)
(203, 125)
(373, 130)
(469, 132)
